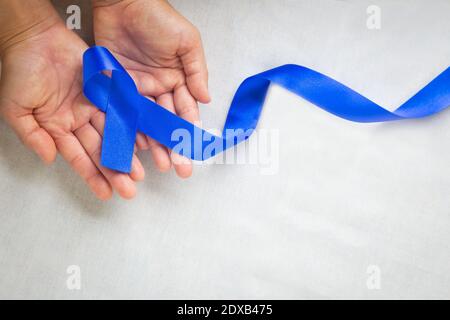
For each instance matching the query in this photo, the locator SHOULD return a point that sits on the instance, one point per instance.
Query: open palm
(163, 53)
(41, 98)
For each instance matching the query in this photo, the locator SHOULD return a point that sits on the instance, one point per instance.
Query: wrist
(21, 20)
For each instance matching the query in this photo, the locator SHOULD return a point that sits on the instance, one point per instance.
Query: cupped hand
(41, 98)
(163, 53)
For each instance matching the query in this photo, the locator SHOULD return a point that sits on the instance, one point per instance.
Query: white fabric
(346, 196)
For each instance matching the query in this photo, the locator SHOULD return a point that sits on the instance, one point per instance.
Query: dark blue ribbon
(128, 112)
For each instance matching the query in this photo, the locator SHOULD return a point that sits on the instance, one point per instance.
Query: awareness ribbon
(128, 112)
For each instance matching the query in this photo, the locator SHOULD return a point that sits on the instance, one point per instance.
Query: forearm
(21, 19)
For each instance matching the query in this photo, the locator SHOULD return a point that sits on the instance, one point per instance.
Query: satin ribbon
(128, 112)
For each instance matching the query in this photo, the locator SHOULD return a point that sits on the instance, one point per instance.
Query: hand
(163, 53)
(41, 98)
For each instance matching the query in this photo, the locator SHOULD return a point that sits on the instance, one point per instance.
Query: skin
(163, 53)
(41, 98)
(41, 87)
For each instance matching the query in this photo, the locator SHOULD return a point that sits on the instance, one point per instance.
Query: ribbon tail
(118, 141)
(121, 122)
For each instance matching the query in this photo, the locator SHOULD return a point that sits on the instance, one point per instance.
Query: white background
(346, 196)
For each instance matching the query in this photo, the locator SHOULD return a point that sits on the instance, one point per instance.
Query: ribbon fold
(128, 112)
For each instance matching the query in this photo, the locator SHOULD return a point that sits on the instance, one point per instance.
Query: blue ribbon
(128, 112)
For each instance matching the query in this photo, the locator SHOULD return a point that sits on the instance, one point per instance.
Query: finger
(32, 135)
(91, 142)
(137, 172)
(72, 151)
(142, 141)
(157, 81)
(186, 107)
(182, 165)
(160, 154)
(196, 71)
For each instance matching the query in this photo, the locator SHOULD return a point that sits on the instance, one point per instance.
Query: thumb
(194, 65)
(32, 135)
